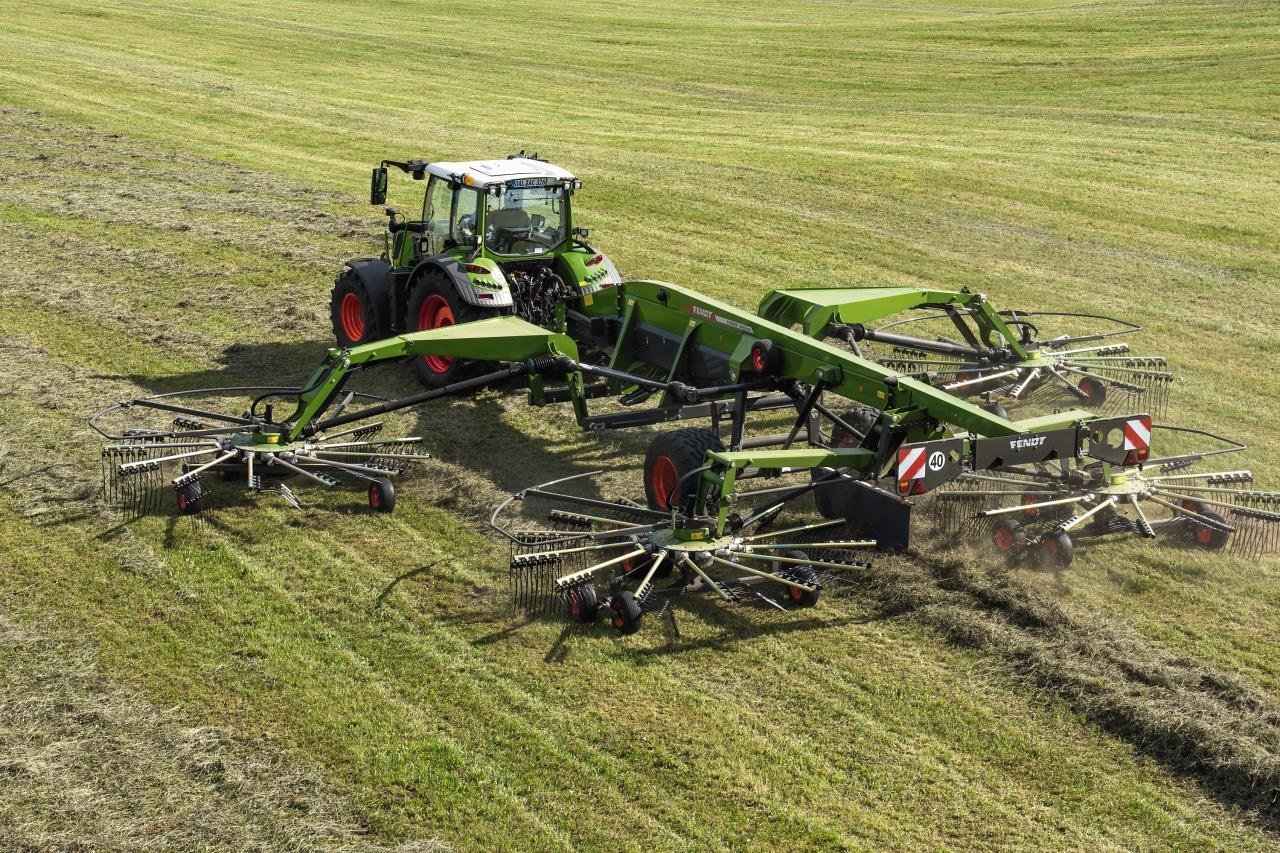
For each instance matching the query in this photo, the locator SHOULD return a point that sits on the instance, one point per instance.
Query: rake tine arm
(195, 472)
(643, 588)
(1073, 523)
(801, 529)
(705, 577)
(568, 580)
(988, 513)
(767, 575)
(823, 564)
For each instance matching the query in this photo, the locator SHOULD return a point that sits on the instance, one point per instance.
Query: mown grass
(180, 182)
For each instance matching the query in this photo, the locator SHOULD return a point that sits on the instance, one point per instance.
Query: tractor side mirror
(582, 232)
(378, 186)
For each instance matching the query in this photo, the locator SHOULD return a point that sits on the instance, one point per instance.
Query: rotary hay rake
(1040, 511)
(171, 444)
(564, 542)
(666, 353)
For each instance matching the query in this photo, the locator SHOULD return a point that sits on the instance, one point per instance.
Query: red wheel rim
(1031, 512)
(434, 313)
(1092, 390)
(351, 313)
(795, 593)
(182, 501)
(375, 497)
(757, 359)
(1049, 544)
(664, 478)
(1204, 535)
(1003, 539)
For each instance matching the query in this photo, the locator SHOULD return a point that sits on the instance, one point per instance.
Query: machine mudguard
(373, 272)
(481, 297)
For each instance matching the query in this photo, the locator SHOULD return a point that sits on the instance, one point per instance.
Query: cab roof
(493, 173)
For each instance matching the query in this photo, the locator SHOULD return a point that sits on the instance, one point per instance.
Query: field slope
(178, 185)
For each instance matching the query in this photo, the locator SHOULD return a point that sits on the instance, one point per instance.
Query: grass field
(178, 185)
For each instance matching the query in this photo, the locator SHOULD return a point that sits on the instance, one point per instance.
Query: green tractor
(494, 237)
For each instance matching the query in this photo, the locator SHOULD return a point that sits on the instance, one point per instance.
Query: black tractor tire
(1209, 538)
(434, 302)
(671, 456)
(626, 613)
(832, 499)
(583, 604)
(801, 598)
(382, 495)
(358, 311)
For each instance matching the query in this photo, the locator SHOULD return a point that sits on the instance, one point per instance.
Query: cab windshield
(525, 221)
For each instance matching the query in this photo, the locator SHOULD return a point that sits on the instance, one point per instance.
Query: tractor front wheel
(671, 456)
(434, 304)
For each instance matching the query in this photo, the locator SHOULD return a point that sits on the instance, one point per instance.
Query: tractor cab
(492, 237)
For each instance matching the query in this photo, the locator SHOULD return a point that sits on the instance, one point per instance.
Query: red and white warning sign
(1137, 434)
(911, 464)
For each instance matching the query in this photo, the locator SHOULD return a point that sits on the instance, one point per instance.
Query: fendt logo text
(1026, 443)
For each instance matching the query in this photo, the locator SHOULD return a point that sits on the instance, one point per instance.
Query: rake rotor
(1043, 510)
(567, 545)
(146, 460)
(1090, 369)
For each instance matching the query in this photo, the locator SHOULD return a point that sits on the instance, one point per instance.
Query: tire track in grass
(1214, 727)
(448, 651)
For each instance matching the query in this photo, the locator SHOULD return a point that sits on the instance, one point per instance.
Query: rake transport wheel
(1008, 538)
(671, 456)
(1094, 390)
(434, 303)
(806, 575)
(626, 612)
(382, 495)
(583, 603)
(190, 499)
(1209, 538)
(832, 500)
(1056, 550)
(357, 311)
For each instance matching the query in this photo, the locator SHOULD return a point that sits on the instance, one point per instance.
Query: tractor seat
(509, 219)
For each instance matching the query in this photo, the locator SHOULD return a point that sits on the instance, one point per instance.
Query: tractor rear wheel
(357, 311)
(433, 304)
(671, 456)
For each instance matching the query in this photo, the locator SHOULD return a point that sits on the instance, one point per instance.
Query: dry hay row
(1213, 726)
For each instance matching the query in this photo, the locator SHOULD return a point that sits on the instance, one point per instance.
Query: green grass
(179, 182)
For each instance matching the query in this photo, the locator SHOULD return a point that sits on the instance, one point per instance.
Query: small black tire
(1009, 538)
(382, 495)
(583, 604)
(1210, 538)
(190, 499)
(671, 456)
(434, 302)
(229, 475)
(358, 311)
(1094, 391)
(996, 409)
(801, 598)
(626, 613)
(1056, 550)
(832, 499)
